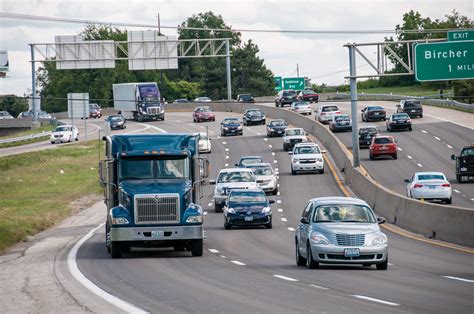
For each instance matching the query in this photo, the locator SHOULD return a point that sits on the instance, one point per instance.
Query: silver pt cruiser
(340, 230)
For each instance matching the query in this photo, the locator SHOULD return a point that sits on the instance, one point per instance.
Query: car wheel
(395, 156)
(458, 178)
(197, 247)
(77, 139)
(300, 260)
(322, 170)
(449, 200)
(275, 192)
(115, 249)
(371, 156)
(227, 226)
(217, 208)
(52, 142)
(310, 263)
(383, 265)
(293, 172)
(410, 129)
(421, 115)
(269, 226)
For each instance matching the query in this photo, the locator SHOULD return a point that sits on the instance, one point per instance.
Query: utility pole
(33, 84)
(297, 70)
(227, 61)
(355, 128)
(162, 87)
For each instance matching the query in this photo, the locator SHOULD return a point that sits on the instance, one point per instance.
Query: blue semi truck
(152, 189)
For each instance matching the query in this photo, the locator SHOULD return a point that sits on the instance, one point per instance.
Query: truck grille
(153, 110)
(307, 161)
(350, 239)
(157, 209)
(296, 140)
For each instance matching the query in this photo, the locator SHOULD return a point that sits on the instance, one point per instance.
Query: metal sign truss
(386, 50)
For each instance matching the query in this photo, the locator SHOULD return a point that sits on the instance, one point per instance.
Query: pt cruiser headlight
(319, 239)
(380, 240)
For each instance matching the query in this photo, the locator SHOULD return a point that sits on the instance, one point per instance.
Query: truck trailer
(138, 101)
(152, 189)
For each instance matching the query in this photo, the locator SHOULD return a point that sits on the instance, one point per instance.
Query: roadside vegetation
(38, 188)
(46, 128)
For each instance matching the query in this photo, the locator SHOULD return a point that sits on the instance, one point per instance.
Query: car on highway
(228, 179)
(301, 107)
(116, 122)
(383, 145)
(247, 207)
(181, 100)
(202, 99)
(285, 97)
(465, 164)
(366, 133)
(5, 115)
(276, 127)
(325, 113)
(430, 186)
(412, 107)
(25, 115)
(340, 123)
(340, 230)
(254, 116)
(204, 113)
(245, 161)
(307, 157)
(204, 144)
(246, 98)
(231, 126)
(308, 95)
(292, 137)
(373, 113)
(95, 113)
(266, 176)
(398, 121)
(64, 133)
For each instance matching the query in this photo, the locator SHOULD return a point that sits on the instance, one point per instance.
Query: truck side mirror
(304, 220)
(380, 220)
(212, 182)
(453, 157)
(271, 201)
(407, 181)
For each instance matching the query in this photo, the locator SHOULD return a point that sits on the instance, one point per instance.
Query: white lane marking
(153, 127)
(226, 149)
(399, 149)
(291, 229)
(270, 145)
(375, 300)
(258, 133)
(224, 143)
(280, 210)
(409, 157)
(457, 191)
(437, 138)
(472, 199)
(273, 153)
(285, 278)
(419, 165)
(238, 263)
(178, 120)
(449, 121)
(205, 213)
(283, 219)
(223, 256)
(278, 201)
(276, 169)
(72, 265)
(449, 146)
(459, 278)
(278, 193)
(213, 251)
(226, 165)
(209, 204)
(319, 287)
(226, 157)
(265, 139)
(275, 161)
(423, 131)
(278, 184)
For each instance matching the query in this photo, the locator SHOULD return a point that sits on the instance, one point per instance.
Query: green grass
(46, 128)
(415, 90)
(37, 188)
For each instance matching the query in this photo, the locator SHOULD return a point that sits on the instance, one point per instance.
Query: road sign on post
(294, 83)
(461, 35)
(277, 83)
(444, 61)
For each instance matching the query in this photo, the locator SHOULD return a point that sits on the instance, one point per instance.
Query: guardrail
(447, 223)
(423, 99)
(25, 138)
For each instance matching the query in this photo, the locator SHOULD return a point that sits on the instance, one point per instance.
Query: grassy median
(38, 188)
(46, 128)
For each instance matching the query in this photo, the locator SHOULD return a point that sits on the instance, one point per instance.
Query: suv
(266, 177)
(307, 157)
(231, 178)
(411, 107)
(366, 133)
(325, 113)
(292, 137)
(383, 145)
(285, 97)
(253, 116)
(245, 98)
(465, 164)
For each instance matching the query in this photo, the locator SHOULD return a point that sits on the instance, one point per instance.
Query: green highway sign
(461, 35)
(278, 83)
(294, 83)
(444, 61)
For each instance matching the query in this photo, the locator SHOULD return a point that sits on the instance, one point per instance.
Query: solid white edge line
(238, 263)
(459, 278)
(375, 300)
(76, 273)
(285, 278)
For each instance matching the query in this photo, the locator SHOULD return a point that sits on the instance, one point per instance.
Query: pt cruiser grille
(350, 239)
(157, 209)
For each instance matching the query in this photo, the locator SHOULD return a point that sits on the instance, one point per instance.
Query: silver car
(340, 230)
(266, 176)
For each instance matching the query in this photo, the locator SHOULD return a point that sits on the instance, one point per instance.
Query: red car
(203, 114)
(308, 95)
(383, 145)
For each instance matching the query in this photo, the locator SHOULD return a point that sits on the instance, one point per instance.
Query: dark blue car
(231, 126)
(247, 207)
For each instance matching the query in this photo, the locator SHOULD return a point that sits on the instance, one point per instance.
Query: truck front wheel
(115, 249)
(197, 247)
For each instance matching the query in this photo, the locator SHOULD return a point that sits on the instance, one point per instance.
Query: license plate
(353, 252)
(280, 132)
(413, 111)
(384, 147)
(311, 98)
(432, 186)
(248, 218)
(376, 113)
(233, 131)
(157, 234)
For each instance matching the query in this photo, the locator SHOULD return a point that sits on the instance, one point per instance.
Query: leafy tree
(13, 104)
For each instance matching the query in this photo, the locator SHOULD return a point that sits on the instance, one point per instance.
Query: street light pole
(355, 128)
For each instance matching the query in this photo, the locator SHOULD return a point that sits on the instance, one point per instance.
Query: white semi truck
(138, 101)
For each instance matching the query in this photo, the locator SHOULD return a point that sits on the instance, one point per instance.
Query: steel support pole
(227, 59)
(33, 84)
(354, 113)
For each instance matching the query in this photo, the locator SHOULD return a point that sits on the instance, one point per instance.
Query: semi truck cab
(152, 190)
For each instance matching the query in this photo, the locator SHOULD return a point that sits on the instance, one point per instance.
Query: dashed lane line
(284, 219)
(238, 263)
(409, 157)
(375, 300)
(213, 251)
(318, 287)
(437, 138)
(449, 146)
(457, 191)
(291, 229)
(209, 204)
(280, 210)
(285, 278)
(423, 131)
(419, 165)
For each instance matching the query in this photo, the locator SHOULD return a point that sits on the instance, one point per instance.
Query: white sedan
(301, 107)
(204, 143)
(64, 133)
(430, 186)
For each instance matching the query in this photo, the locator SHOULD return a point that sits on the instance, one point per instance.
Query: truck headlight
(317, 238)
(120, 221)
(267, 209)
(219, 191)
(295, 160)
(194, 219)
(380, 240)
(286, 140)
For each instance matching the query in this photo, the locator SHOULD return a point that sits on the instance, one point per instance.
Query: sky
(318, 56)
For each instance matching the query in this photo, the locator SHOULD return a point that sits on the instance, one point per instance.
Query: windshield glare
(400, 116)
(262, 170)
(230, 121)
(367, 131)
(247, 197)
(277, 123)
(331, 108)
(307, 150)
(249, 161)
(141, 168)
(341, 118)
(292, 132)
(468, 152)
(62, 129)
(237, 176)
(383, 140)
(344, 213)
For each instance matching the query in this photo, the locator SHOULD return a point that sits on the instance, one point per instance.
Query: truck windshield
(154, 168)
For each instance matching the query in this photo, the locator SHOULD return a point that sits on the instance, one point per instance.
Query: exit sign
(465, 34)
(294, 83)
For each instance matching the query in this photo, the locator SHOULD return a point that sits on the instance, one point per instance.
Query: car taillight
(446, 185)
(322, 113)
(337, 112)
(418, 185)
